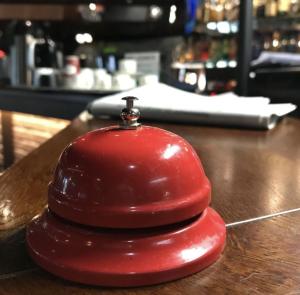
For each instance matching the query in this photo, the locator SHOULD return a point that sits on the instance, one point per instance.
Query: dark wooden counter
(253, 174)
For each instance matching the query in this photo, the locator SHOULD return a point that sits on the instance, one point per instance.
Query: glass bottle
(276, 41)
(295, 7)
(283, 7)
(271, 8)
(261, 9)
(207, 12)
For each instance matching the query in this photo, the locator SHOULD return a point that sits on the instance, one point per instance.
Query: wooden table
(254, 175)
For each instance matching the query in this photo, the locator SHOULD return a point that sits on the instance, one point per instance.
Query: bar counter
(255, 178)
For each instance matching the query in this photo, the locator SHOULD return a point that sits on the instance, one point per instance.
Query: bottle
(226, 49)
(255, 5)
(189, 54)
(111, 63)
(231, 10)
(232, 52)
(71, 71)
(294, 43)
(216, 11)
(276, 41)
(216, 51)
(285, 43)
(267, 44)
(200, 12)
(206, 12)
(271, 8)
(102, 80)
(85, 79)
(283, 7)
(202, 50)
(261, 9)
(295, 7)
(256, 47)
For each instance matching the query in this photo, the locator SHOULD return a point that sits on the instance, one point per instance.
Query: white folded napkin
(285, 58)
(166, 103)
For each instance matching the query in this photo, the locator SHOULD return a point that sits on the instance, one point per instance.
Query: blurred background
(64, 55)
(57, 56)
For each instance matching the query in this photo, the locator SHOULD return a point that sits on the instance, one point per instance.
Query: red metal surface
(125, 257)
(129, 178)
(127, 208)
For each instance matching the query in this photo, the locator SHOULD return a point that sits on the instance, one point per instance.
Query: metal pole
(20, 59)
(245, 46)
(7, 138)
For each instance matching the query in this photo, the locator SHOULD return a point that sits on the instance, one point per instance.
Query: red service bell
(128, 206)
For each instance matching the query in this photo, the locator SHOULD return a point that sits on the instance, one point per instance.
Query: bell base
(125, 258)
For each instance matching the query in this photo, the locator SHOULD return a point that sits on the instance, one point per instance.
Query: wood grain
(22, 133)
(257, 171)
(253, 173)
(23, 187)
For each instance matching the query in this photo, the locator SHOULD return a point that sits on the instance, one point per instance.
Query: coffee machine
(34, 57)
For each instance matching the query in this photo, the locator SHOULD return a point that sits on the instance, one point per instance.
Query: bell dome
(129, 178)
(128, 206)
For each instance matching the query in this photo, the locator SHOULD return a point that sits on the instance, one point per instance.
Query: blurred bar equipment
(192, 73)
(34, 59)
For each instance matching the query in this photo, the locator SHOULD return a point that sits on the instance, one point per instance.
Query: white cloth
(285, 58)
(166, 103)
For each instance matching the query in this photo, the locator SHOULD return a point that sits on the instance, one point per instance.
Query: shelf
(230, 28)
(279, 70)
(270, 24)
(221, 64)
